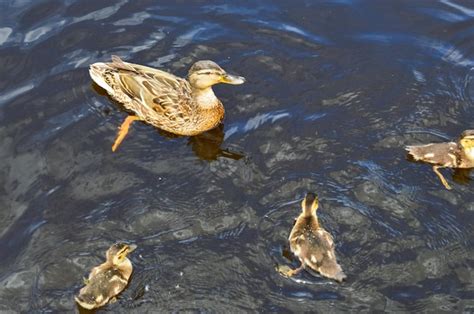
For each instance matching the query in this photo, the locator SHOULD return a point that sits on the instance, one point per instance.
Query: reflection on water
(462, 176)
(335, 90)
(207, 146)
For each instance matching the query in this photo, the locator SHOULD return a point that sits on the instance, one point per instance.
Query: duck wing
(163, 93)
(102, 287)
(320, 246)
(311, 246)
(322, 255)
(156, 96)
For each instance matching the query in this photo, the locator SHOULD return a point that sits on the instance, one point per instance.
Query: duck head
(203, 74)
(118, 252)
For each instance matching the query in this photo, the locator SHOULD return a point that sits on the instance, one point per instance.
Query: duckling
(108, 279)
(176, 105)
(313, 245)
(458, 154)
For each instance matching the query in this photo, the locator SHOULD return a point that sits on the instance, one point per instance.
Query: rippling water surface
(334, 91)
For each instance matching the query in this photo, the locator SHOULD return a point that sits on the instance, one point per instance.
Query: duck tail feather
(97, 71)
(120, 64)
(415, 152)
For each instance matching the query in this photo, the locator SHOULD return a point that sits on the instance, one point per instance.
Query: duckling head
(203, 74)
(310, 204)
(467, 142)
(118, 252)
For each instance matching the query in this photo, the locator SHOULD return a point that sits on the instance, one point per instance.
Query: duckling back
(101, 288)
(322, 256)
(314, 247)
(444, 154)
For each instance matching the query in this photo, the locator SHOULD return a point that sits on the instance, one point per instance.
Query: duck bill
(131, 248)
(232, 79)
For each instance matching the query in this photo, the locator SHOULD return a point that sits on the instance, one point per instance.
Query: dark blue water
(335, 90)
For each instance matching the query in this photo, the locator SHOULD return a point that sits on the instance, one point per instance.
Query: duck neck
(308, 210)
(205, 98)
(125, 268)
(311, 220)
(309, 213)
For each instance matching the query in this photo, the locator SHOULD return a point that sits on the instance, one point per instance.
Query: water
(334, 91)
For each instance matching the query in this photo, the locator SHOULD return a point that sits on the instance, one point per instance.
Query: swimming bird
(459, 154)
(176, 105)
(108, 279)
(313, 245)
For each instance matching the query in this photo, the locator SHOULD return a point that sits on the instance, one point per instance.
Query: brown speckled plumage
(313, 245)
(458, 154)
(164, 100)
(442, 154)
(108, 279)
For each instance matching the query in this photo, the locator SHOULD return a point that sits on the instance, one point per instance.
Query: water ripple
(6, 97)
(292, 29)
(466, 11)
(101, 14)
(335, 90)
(4, 34)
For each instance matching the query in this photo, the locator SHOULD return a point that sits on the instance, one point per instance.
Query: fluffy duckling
(313, 245)
(458, 154)
(108, 279)
(176, 105)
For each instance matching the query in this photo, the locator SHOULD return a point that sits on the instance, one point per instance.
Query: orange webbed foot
(123, 131)
(286, 271)
(441, 177)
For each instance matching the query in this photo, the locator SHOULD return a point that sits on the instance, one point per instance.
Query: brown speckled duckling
(108, 279)
(458, 154)
(313, 245)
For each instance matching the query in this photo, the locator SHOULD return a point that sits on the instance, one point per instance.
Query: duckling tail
(340, 276)
(415, 152)
(333, 270)
(83, 303)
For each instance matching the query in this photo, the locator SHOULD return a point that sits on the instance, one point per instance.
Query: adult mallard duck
(313, 245)
(108, 279)
(458, 154)
(176, 105)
